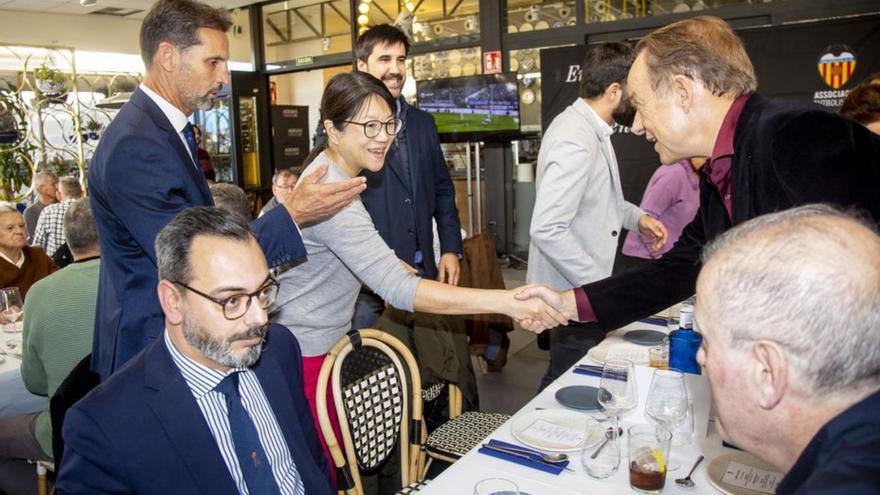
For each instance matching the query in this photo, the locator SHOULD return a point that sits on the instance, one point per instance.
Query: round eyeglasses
(372, 128)
(236, 305)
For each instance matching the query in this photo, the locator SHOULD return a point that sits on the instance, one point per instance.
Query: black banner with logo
(818, 61)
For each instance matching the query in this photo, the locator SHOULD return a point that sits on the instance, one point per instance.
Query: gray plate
(581, 397)
(644, 337)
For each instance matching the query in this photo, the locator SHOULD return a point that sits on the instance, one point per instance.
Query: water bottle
(684, 343)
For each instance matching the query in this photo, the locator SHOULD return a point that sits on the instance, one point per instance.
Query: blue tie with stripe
(251, 456)
(190, 137)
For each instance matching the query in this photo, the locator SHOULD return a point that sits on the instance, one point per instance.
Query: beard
(185, 85)
(625, 113)
(220, 350)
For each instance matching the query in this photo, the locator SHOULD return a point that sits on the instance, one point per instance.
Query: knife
(522, 455)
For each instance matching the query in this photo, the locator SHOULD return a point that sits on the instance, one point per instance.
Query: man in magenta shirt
(694, 90)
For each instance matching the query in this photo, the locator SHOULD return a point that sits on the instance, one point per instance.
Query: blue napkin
(596, 372)
(655, 321)
(535, 463)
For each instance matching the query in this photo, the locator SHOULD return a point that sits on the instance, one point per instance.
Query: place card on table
(558, 434)
(752, 478)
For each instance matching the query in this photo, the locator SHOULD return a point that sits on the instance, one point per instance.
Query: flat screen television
(472, 108)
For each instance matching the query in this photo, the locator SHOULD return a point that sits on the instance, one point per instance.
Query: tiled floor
(518, 381)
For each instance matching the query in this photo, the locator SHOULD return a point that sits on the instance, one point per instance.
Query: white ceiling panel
(73, 6)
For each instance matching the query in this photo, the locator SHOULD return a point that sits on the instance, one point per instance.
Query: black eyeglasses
(235, 306)
(372, 128)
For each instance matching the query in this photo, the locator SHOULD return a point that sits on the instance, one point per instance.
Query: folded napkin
(655, 321)
(534, 461)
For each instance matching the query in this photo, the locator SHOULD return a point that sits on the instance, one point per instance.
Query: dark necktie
(252, 458)
(190, 137)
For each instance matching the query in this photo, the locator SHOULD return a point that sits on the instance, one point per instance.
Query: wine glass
(667, 402)
(617, 391)
(496, 486)
(11, 310)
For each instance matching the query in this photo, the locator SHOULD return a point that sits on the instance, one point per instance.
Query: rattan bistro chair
(377, 392)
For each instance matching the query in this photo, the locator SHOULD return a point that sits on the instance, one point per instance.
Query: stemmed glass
(11, 310)
(617, 391)
(496, 486)
(667, 403)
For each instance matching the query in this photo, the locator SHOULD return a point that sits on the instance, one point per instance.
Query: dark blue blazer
(141, 431)
(140, 177)
(402, 210)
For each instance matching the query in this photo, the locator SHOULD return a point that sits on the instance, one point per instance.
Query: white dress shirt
(175, 116)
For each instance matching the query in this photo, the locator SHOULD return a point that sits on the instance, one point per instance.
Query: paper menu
(553, 433)
(637, 356)
(744, 476)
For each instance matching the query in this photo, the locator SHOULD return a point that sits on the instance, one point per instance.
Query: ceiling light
(364, 8)
(363, 20)
(88, 3)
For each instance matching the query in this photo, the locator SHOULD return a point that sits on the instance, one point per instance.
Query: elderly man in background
(46, 185)
(20, 265)
(789, 308)
(215, 405)
(59, 319)
(50, 227)
(282, 188)
(232, 198)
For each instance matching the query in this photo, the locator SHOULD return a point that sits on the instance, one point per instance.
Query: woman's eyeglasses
(372, 128)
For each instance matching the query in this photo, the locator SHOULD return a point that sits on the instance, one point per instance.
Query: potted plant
(50, 83)
(11, 115)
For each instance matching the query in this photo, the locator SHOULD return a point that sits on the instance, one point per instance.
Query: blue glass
(683, 346)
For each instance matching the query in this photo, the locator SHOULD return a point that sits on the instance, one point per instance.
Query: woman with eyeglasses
(316, 299)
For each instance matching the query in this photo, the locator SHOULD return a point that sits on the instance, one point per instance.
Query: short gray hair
(7, 207)
(80, 230)
(41, 178)
(282, 173)
(70, 187)
(232, 198)
(174, 242)
(806, 279)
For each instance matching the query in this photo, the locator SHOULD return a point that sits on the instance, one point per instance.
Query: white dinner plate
(561, 417)
(638, 354)
(718, 467)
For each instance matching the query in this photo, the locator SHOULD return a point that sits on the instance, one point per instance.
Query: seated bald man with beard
(215, 405)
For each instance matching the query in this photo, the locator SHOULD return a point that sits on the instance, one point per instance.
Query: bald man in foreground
(789, 308)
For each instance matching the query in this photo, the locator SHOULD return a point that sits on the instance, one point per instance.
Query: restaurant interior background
(65, 69)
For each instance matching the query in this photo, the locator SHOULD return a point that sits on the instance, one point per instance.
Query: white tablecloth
(461, 477)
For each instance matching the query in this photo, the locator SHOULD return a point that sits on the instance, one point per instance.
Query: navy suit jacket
(141, 431)
(402, 210)
(140, 178)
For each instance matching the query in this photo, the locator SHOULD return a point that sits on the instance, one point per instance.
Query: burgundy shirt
(717, 172)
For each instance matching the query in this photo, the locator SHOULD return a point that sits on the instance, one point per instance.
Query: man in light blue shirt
(214, 406)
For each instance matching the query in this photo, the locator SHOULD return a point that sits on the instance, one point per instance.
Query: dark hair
(174, 242)
(177, 22)
(605, 64)
(232, 198)
(344, 96)
(862, 104)
(79, 227)
(383, 34)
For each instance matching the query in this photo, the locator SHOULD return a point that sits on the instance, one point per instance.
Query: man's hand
(563, 303)
(448, 269)
(312, 201)
(654, 229)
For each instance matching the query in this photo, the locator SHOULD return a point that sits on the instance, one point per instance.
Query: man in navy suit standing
(414, 187)
(146, 170)
(215, 404)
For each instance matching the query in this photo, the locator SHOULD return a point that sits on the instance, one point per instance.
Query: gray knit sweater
(316, 300)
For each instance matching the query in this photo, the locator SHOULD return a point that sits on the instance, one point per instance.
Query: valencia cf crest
(836, 65)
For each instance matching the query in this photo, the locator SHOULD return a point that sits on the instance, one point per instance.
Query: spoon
(686, 482)
(554, 458)
(609, 433)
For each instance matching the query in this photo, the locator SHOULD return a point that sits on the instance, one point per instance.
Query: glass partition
(535, 15)
(297, 29)
(607, 10)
